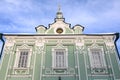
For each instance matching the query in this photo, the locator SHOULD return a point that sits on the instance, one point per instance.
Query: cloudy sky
(97, 16)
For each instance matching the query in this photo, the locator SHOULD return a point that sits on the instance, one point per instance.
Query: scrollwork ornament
(8, 49)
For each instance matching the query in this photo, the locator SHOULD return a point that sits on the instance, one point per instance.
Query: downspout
(1, 38)
(117, 37)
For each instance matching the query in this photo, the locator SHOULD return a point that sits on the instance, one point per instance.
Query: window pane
(96, 58)
(23, 59)
(60, 58)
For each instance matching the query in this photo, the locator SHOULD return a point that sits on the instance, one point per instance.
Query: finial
(59, 8)
(59, 14)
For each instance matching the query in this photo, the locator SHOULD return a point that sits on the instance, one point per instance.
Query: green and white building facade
(59, 52)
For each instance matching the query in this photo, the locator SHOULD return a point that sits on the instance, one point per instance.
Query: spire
(59, 8)
(59, 14)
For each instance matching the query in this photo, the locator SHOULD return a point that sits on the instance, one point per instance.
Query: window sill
(60, 68)
(21, 70)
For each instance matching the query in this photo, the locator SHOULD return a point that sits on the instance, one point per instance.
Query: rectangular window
(23, 59)
(96, 58)
(60, 59)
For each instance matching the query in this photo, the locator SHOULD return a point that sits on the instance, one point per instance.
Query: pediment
(24, 46)
(65, 27)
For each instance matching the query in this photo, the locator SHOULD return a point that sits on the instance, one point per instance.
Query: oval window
(59, 30)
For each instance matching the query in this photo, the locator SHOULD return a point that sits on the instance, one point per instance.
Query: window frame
(96, 58)
(17, 55)
(101, 54)
(65, 58)
(22, 63)
(58, 54)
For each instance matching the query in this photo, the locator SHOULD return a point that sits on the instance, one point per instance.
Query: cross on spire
(59, 8)
(59, 14)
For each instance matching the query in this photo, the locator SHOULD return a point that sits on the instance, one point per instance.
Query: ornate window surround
(95, 46)
(54, 49)
(102, 68)
(18, 51)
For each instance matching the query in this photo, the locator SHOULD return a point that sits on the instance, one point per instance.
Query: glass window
(96, 58)
(23, 59)
(60, 58)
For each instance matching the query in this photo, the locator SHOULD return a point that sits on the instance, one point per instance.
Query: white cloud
(94, 15)
(97, 14)
(25, 13)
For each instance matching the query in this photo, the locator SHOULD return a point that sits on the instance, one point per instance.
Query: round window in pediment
(59, 30)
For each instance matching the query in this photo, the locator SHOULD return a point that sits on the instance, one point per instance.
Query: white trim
(101, 56)
(18, 57)
(111, 66)
(19, 76)
(59, 46)
(57, 60)
(78, 65)
(8, 66)
(75, 55)
(18, 50)
(44, 57)
(41, 65)
(100, 75)
(54, 58)
(85, 65)
(62, 75)
(34, 65)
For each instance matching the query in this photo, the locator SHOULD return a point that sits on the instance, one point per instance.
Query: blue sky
(97, 16)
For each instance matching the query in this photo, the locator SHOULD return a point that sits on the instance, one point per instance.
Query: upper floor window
(23, 56)
(96, 58)
(59, 59)
(23, 59)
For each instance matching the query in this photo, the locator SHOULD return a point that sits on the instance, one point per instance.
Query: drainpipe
(1, 38)
(117, 37)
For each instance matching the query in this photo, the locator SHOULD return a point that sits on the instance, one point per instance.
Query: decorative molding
(110, 43)
(48, 71)
(111, 49)
(21, 71)
(86, 66)
(78, 66)
(69, 71)
(39, 42)
(18, 49)
(39, 49)
(62, 75)
(58, 47)
(8, 50)
(24, 46)
(80, 49)
(103, 68)
(9, 41)
(94, 45)
(98, 71)
(17, 75)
